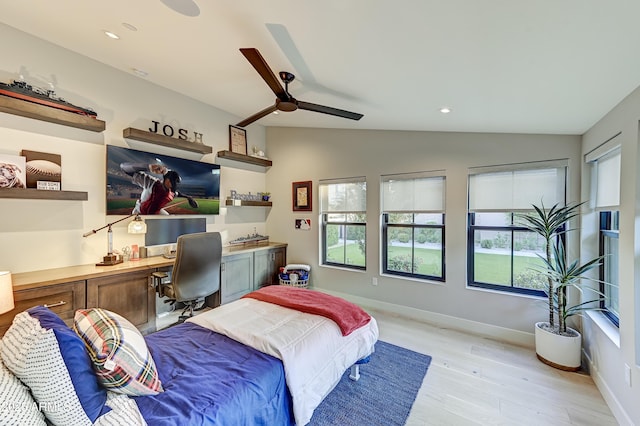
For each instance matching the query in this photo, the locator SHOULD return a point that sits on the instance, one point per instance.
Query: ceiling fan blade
(328, 110)
(257, 116)
(255, 58)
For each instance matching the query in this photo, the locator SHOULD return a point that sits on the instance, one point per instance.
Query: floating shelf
(50, 114)
(244, 158)
(249, 203)
(143, 136)
(37, 194)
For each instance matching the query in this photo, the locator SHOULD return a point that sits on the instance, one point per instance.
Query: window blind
(607, 169)
(517, 187)
(347, 195)
(415, 192)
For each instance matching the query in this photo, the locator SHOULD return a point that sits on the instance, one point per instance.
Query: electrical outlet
(374, 280)
(627, 375)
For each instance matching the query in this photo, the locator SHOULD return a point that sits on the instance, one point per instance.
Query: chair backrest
(196, 271)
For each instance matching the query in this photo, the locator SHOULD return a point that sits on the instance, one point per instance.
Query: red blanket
(347, 315)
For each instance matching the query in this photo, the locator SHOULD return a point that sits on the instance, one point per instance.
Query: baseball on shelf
(42, 170)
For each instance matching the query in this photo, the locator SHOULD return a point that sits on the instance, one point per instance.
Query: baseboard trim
(486, 330)
(609, 397)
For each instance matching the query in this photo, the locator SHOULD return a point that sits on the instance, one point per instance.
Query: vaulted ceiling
(543, 66)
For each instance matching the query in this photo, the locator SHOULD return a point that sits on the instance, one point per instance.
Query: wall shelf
(50, 114)
(37, 194)
(245, 203)
(155, 138)
(244, 158)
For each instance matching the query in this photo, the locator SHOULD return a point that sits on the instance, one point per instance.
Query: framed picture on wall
(238, 140)
(301, 194)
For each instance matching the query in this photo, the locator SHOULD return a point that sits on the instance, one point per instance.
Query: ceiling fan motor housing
(287, 106)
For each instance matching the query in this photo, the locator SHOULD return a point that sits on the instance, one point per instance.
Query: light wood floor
(478, 381)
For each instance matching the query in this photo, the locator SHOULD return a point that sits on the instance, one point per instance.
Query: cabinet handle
(53, 305)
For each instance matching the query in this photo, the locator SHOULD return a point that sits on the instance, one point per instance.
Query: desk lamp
(136, 226)
(6, 292)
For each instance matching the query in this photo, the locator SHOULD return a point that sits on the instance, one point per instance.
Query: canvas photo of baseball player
(150, 184)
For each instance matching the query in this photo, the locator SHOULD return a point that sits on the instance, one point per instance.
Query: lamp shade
(6, 292)
(137, 226)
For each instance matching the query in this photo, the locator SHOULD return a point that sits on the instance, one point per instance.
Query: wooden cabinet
(128, 289)
(244, 272)
(63, 299)
(131, 295)
(236, 277)
(267, 264)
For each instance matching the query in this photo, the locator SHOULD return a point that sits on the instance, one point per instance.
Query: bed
(268, 358)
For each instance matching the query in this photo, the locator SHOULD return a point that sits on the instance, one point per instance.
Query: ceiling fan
(284, 100)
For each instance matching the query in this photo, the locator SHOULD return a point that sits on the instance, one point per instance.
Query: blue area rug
(384, 394)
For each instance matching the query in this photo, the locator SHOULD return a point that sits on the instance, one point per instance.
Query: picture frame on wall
(237, 140)
(302, 196)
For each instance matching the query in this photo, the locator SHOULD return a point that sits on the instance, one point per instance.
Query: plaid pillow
(118, 351)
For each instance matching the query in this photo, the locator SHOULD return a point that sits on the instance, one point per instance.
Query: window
(501, 253)
(343, 209)
(413, 225)
(609, 233)
(605, 189)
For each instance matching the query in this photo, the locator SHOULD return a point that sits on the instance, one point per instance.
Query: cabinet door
(236, 278)
(63, 299)
(262, 265)
(267, 265)
(130, 294)
(279, 259)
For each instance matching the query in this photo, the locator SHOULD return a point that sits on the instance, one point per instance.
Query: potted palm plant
(557, 344)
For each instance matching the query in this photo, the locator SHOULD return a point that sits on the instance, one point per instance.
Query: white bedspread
(313, 351)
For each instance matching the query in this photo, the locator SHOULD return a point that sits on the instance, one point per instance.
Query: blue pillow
(51, 359)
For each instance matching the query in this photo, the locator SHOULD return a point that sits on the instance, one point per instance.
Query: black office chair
(196, 271)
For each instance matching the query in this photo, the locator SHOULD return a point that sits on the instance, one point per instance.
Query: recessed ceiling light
(111, 35)
(445, 110)
(129, 26)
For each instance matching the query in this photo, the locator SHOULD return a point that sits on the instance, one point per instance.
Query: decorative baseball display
(43, 167)
(42, 170)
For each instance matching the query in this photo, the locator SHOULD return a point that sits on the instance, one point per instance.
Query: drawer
(63, 299)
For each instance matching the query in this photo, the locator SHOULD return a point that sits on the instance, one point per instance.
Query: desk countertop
(45, 277)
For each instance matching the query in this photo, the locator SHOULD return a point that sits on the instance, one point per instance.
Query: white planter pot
(562, 352)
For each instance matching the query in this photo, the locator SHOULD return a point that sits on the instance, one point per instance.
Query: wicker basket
(297, 283)
(299, 271)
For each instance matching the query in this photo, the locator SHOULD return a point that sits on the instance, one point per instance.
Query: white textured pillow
(124, 411)
(17, 406)
(51, 360)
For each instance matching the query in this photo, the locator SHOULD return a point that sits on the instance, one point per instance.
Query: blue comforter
(209, 379)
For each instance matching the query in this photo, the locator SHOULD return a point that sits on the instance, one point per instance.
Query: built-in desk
(127, 288)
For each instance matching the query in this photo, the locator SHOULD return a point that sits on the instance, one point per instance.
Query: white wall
(609, 349)
(41, 234)
(312, 154)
